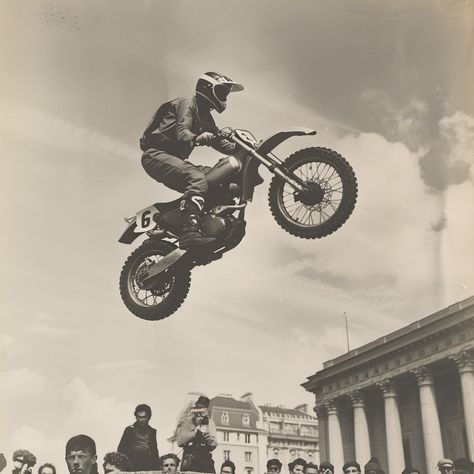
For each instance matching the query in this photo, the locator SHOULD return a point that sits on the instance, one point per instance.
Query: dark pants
(141, 462)
(175, 173)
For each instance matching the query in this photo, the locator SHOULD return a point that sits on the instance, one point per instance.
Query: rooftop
(223, 401)
(457, 313)
(283, 411)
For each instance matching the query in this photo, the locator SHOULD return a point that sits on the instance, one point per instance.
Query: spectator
(196, 434)
(351, 467)
(138, 442)
(373, 467)
(297, 466)
(446, 466)
(23, 461)
(463, 466)
(274, 466)
(3, 462)
(169, 463)
(326, 468)
(81, 455)
(115, 462)
(228, 467)
(411, 470)
(311, 469)
(47, 468)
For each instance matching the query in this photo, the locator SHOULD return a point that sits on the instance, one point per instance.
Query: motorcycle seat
(165, 207)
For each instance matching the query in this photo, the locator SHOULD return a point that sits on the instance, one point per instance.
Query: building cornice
(311, 439)
(424, 341)
(235, 429)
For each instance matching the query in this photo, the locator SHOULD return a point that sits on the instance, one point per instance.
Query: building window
(247, 438)
(248, 456)
(226, 455)
(226, 436)
(246, 419)
(225, 418)
(238, 436)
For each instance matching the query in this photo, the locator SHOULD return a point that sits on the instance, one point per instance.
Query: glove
(204, 139)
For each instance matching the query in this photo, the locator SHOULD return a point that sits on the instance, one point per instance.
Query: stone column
(396, 458)
(361, 429)
(320, 411)
(465, 364)
(429, 418)
(336, 452)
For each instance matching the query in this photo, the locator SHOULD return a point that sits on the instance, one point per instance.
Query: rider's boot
(191, 212)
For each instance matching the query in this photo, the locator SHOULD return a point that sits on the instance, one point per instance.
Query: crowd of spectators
(300, 466)
(196, 435)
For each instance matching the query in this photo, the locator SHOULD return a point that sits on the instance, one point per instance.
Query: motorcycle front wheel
(161, 298)
(326, 203)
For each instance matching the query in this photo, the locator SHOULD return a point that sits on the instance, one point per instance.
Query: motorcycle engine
(212, 226)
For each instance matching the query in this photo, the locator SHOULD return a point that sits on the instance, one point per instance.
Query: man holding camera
(197, 436)
(23, 461)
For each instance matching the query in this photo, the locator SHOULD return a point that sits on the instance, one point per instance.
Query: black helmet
(215, 87)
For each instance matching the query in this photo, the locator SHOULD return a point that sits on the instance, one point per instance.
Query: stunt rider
(170, 137)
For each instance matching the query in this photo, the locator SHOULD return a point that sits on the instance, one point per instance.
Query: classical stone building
(291, 433)
(406, 398)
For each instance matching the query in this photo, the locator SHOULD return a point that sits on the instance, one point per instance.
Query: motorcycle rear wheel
(328, 204)
(162, 299)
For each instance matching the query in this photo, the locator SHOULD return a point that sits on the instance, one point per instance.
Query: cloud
(400, 122)
(41, 443)
(32, 125)
(440, 224)
(7, 345)
(102, 418)
(129, 369)
(364, 264)
(450, 155)
(77, 21)
(138, 364)
(49, 329)
(446, 141)
(19, 385)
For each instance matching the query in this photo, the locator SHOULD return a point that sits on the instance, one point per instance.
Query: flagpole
(347, 331)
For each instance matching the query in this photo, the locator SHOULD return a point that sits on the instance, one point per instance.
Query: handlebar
(224, 133)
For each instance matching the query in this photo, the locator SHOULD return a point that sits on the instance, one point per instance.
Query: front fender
(129, 234)
(267, 145)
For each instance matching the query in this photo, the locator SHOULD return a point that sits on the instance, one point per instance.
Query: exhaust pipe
(163, 264)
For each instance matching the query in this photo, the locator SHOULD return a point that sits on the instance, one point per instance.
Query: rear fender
(270, 143)
(129, 234)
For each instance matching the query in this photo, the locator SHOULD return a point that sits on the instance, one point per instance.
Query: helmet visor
(221, 91)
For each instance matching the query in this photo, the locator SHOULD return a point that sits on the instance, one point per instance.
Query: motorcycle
(311, 194)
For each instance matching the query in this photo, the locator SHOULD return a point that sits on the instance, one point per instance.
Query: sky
(386, 84)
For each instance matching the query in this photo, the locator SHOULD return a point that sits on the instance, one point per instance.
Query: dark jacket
(127, 444)
(176, 124)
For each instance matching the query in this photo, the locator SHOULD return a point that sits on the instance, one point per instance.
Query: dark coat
(126, 446)
(176, 124)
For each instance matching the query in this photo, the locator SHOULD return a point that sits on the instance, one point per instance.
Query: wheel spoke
(324, 175)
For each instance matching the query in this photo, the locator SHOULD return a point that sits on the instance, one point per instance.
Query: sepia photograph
(237, 236)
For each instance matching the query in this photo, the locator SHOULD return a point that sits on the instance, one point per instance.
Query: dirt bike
(312, 193)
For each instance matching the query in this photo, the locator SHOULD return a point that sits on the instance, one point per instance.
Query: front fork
(273, 164)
